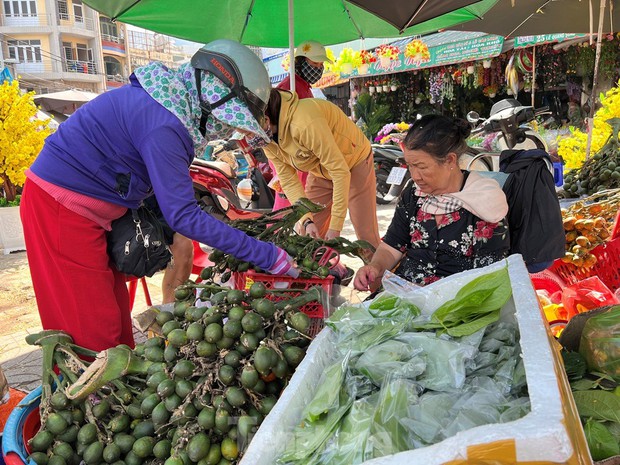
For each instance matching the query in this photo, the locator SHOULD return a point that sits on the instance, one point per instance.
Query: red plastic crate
(607, 266)
(314, 310)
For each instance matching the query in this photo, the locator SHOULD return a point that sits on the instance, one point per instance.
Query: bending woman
(112, 154)
(449, 220)
(315, 135)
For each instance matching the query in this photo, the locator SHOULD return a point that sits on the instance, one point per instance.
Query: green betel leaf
(599, 405)
(471, 327)
(480, 297)
(326, 397)
(601, 442)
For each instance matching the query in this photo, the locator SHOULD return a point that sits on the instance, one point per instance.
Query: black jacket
(534, 216)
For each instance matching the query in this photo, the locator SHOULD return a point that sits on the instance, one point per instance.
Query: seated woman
(449, 221)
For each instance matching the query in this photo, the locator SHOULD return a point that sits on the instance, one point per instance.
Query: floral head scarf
(176, 91)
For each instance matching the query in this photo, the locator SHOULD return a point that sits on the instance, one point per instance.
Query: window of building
(112, 66)
(63, 9)
(108, 28)
(67, 48)
(25, 51)
(78, 10)
(82, 52)
(20, 8)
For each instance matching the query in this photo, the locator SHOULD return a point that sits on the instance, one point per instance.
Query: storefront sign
(447, 54)
(530, 41)
(329, 79)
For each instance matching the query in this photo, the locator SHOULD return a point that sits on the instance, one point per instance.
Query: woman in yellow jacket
(315, 136)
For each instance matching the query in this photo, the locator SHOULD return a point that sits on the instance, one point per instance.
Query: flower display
(392, 133)
(573, 149)
(346, 61)
(387, 51)
(417, 50)
(490, 90)
(286, 62)
(367, 57)
(21, 136)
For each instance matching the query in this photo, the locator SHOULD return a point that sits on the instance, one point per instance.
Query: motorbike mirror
(473, 117)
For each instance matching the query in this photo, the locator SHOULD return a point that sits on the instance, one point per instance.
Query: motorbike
(391, 172)
(508, 118)
(220, 193)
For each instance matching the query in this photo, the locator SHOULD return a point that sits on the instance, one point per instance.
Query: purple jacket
(122, 147)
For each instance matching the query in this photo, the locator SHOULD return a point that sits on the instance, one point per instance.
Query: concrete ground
(21, 363)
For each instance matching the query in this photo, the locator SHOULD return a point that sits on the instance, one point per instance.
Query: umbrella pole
(291, 44)
(599, 41)
(533, 74)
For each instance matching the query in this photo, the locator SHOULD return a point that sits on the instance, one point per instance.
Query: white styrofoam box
(549, 433)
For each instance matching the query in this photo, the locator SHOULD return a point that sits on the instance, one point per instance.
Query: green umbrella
(264, 22)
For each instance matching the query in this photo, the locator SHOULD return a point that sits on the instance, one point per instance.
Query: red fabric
(302, 88)
(76, 287)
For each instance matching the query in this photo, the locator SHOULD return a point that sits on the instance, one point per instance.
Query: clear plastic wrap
(445, 360)
(391, 356)
(600, 342)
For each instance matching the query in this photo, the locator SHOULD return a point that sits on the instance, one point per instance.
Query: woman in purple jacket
(113, 153)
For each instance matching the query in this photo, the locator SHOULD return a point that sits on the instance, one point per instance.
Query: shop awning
(445, 48)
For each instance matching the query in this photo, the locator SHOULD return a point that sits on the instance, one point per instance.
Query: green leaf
(471, 327)
(583, 384)
(482, 295)
(327, 394)
(599, 405)
(601, 442)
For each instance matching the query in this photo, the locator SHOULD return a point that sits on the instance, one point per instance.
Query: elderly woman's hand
(365, 277)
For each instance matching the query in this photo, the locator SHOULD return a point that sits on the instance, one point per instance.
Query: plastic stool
(132, 285)
(201, 260)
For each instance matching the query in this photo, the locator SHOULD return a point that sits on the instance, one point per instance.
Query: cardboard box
(550, 434)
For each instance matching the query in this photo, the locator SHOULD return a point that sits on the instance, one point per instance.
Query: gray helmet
(239, 69)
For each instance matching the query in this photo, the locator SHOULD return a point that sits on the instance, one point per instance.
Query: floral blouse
(460, 241)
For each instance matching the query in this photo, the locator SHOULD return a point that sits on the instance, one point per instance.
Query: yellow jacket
(316, 136)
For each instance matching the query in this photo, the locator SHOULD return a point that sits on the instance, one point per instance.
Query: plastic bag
(587, 295)
(600, 342)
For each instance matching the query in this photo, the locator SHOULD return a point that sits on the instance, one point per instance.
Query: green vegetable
(598, 404)
(475, 306)
(327, 395)
(574, 364)
(601, 442)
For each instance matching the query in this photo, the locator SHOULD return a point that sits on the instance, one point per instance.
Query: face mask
(309, 73)
(257, 142)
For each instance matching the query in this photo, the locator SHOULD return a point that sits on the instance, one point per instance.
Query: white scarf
(481, 196)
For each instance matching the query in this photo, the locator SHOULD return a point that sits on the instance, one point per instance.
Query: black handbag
(136, 243)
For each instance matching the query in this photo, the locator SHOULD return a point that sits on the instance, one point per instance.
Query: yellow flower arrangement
(347, 61)
(21, 136)
(573, 149)
(418, 50)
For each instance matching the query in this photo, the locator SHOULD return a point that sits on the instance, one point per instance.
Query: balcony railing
(78, 66)
(76, 21)
(115, 39)
(116, 78)
(22, 20)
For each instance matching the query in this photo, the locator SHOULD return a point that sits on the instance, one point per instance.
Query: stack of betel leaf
(279, 227)
(402, 379)
(195, 395)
